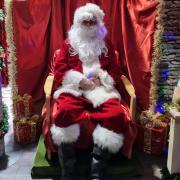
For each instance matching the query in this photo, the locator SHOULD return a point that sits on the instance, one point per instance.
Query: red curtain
(41, 26)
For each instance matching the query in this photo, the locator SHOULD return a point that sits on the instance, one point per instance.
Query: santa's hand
(86, 84)
(96, 81)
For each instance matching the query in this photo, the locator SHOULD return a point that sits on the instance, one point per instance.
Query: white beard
(89, 46)
(86, 43)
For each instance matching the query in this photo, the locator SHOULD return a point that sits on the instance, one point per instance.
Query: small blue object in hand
(90, 75)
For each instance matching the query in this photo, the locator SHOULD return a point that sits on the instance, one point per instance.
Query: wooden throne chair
(49, 109)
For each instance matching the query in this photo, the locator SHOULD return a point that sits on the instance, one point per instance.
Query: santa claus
(87, 88)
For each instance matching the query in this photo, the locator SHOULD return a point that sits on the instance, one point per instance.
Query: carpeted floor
(118, 166)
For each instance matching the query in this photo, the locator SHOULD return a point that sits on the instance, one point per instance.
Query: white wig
(87, 12)
(88, 41)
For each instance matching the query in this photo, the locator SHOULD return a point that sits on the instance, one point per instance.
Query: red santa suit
(112, 125)
(97, 114)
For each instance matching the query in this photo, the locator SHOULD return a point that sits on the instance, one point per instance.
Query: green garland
(2, 60)
(4, 123)
(1, 15)
(167, 176)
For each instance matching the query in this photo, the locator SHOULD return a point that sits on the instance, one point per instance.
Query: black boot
(99, 163)
(67, 160)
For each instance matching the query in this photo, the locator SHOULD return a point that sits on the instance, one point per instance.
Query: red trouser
(112, 115)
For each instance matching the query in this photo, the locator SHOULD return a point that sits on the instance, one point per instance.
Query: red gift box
(151, 139)
(27, 130)
(23, 106)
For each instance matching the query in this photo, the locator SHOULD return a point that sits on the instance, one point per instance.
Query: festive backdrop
(41, 28)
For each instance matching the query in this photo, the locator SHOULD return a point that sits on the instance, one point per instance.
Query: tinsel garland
(157, 53)
(4, 122)
(173, 106)
(167, 176)
(12, 59)
(150, 120)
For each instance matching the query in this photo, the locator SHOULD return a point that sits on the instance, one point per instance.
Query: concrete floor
(17, 162)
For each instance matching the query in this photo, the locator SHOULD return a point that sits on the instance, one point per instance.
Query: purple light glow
(102, 31)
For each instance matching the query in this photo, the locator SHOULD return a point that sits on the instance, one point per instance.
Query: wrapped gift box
(24, 106)
(152, 132)
(27, 130)
(151, 140)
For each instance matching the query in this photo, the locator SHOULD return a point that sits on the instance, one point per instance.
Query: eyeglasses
(89, 22)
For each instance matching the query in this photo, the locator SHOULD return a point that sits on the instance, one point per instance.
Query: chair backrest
(51, 67)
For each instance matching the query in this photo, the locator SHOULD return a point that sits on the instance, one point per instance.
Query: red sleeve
(60, 64)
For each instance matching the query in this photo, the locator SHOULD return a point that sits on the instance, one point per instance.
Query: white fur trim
(72, 77)
(74, 91)
(105, 138)
(70, 84)
(106, 79)
(99, 95)
(88, 11)
(68, 134)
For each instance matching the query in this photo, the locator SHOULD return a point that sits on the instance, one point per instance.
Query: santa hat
(87, 12)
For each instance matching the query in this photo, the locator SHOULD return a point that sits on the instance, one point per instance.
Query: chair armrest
(48, 85)
(131, 91)
(129, 87)
(48, 89)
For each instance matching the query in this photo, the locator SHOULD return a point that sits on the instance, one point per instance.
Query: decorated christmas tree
(3, 47)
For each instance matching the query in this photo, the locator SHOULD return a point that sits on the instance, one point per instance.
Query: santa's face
(88, 28)
(87, 35)
(89, 22)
